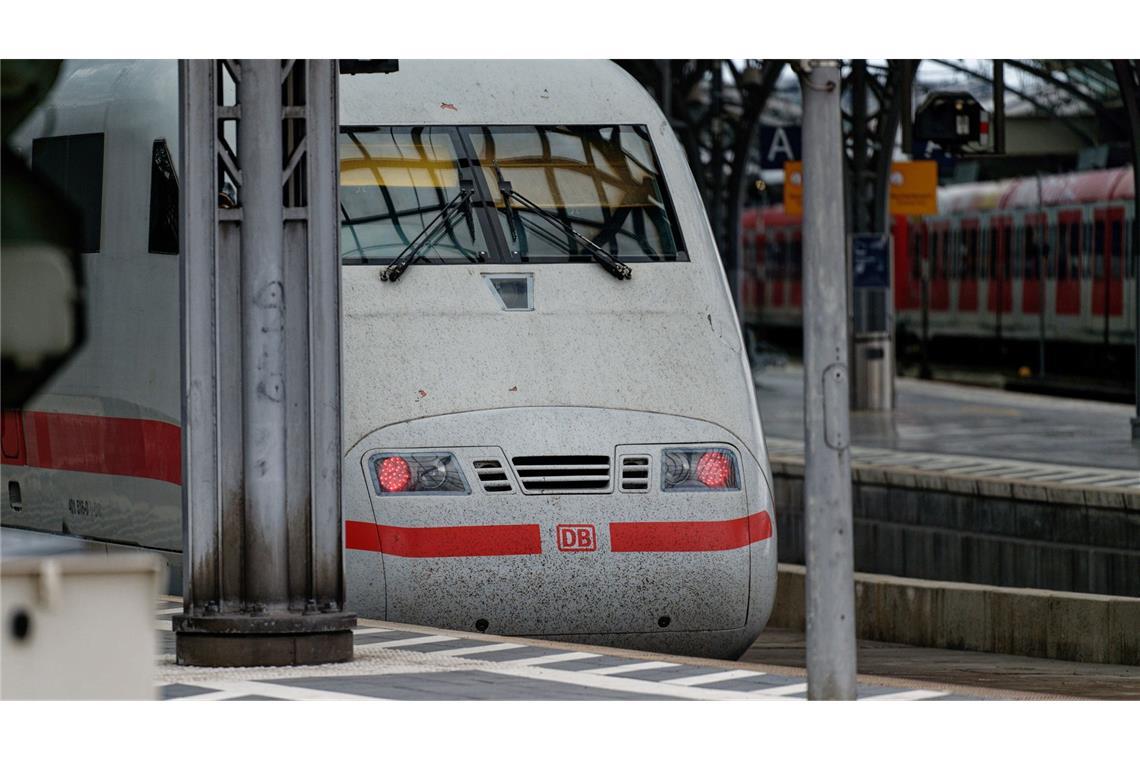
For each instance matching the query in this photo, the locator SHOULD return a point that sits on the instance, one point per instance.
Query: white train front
(534, 444)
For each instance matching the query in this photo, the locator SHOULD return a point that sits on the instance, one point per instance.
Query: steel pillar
(830, 588)
(262, 535)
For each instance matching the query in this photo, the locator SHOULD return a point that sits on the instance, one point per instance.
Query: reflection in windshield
(603, 181)
(393, 183)
(589, 186)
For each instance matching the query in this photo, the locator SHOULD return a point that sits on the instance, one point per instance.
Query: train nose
(573, 544)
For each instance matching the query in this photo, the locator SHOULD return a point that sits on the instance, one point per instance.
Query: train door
(1034, 262)
(1067, 270)
(999, 295)
(969, 254)
(761, 278)
(939, 250)
(1107, 265)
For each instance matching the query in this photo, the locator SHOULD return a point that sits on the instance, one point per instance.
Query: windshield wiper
(443, 218)
(599, 254)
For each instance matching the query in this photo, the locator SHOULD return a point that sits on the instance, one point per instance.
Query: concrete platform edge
(1060, 625)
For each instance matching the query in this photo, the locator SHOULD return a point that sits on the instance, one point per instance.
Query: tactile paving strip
(988, 467)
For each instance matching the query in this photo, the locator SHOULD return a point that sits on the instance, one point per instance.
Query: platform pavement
(395, 661)
(943, 418)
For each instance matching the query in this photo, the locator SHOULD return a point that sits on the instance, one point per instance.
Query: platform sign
(914, 188)
(794, 188)
(870, 261)
(779, 145)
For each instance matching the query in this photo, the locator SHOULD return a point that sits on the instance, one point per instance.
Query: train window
(603, 181)
(1098, 251)
(1116, 247)
(74, 164)
(968, 265)
(1029, 252)
(1071, 251)
(394, 183)
(992, 254)
(163, 234)
(1007, 254)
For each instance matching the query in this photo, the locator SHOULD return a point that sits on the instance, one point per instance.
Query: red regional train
(996, 254)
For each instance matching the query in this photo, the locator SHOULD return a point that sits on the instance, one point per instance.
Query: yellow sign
(794, 188)
(913, 188)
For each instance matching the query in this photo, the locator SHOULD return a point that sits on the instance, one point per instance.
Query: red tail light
(394, 474)
(714, 469)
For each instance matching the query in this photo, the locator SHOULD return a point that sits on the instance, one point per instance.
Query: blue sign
(871, 261)
(779, 144)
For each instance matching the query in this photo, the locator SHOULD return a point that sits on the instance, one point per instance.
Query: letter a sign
(778, 145)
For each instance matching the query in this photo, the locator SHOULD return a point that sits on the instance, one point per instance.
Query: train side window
(74, 164)
(163, 235)
(1028, 253)
(1116, 247)
(992, 254)
(969, 263)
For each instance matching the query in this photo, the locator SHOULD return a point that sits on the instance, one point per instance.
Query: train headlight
(707, 469)
(417, 472)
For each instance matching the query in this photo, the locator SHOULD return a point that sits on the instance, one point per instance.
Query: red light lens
(394, 474)
(714, 469)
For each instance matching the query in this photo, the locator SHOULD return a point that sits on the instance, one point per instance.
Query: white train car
(549, 422)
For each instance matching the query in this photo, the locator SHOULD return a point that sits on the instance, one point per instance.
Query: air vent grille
(492, 475)
(635, 473)
(563, 474)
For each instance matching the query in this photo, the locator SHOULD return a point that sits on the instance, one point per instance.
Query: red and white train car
(996, 254)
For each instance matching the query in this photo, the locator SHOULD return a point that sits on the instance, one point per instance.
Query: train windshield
(394, 183)
(601, 182)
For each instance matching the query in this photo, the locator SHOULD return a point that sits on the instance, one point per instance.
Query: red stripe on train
(690, 536)
(104, 445)
(452, 541)
(501, 540)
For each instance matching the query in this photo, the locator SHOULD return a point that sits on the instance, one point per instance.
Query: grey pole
(262, 523)
(263, 332)
(830, 586)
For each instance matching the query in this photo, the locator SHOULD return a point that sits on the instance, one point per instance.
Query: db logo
(577, 538)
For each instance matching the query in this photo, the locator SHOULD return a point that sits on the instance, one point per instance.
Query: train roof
(498, 92)
(975, 196)
(1071, 189)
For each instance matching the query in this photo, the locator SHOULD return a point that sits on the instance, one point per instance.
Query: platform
(404, 662)
(934, 417)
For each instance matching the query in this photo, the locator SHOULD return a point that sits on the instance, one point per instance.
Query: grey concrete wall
(1028, 622)
(995, 537)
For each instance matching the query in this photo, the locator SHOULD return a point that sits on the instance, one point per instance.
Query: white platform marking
(362, 631)
(632, 667)
(232, 689)
(914, 694)
(549, 658)
(724, 675)
(629, 685)
(407, 642)
(458, 651)
(783, 691)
